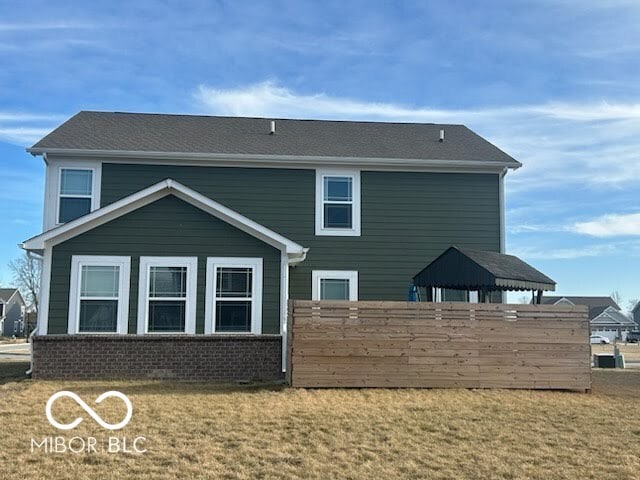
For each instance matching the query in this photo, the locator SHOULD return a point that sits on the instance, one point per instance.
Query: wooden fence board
(437, 345)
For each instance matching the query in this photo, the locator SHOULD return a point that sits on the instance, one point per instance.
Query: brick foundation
(221, 358)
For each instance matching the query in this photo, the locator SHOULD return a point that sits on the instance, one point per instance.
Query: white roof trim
(293, 160)
(153, 193)
(564, 299)
(607, 314)
(8, 300)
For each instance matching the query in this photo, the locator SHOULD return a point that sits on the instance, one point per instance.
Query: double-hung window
(76, 193)
(338, 203)
(167, 294)
(234, 295)
(99, 294)
(334, 285)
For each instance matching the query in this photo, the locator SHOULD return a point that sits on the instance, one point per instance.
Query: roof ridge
(293, 119)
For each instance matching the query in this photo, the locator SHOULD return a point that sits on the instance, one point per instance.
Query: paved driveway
(15, 351)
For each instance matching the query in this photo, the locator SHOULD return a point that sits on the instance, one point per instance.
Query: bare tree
(524, 299)
(632, 304)
(616, 297)
(26, 275)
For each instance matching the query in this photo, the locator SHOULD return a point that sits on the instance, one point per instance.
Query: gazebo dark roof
(465, 269)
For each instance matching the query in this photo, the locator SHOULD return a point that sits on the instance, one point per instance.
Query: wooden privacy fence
(430, 345)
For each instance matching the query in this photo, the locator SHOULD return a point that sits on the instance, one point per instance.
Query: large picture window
(338, 203)
(76, 193)
(334, 285)
(234, 295)
(167, 294)
(99, 294)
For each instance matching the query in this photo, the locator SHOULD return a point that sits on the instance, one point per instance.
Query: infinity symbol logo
(89, 410)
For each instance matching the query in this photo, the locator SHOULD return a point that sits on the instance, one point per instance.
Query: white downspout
(285, 263)
(41, 259)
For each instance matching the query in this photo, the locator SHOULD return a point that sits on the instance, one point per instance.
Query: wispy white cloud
(25, 128)
(613, 225)
(55, 25)
(269, 98)
(565, 253)
(591, 143)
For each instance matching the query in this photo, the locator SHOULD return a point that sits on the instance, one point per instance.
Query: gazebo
(481, 271)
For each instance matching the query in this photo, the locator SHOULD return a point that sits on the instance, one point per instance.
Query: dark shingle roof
(472, 269)
(250, 136)
(506, 266)
(7, 293)
(590, 302)
(595, 311)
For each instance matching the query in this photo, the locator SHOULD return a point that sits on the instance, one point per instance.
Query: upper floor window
(338, 203)
(76, 193)
(72, 189)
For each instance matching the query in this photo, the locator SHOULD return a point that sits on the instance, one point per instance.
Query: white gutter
(295, 259)
(266, 159)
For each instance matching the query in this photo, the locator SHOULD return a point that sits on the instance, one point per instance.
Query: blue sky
(554, 83)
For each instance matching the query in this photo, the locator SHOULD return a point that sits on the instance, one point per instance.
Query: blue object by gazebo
(414, 295)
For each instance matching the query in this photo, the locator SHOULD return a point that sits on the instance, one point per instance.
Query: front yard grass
(12, 340)
(208, 431)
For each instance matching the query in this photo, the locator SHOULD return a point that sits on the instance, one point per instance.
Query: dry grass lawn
(207, 431)
(11, 340)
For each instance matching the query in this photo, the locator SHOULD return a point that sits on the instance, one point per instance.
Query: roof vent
(273, 128)
(442, 135)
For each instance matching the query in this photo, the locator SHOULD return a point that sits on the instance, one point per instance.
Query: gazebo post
(539, 297)
(429, 295)
(484, 293)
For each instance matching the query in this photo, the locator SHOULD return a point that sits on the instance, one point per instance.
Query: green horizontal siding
(407, 218)
(168, 227)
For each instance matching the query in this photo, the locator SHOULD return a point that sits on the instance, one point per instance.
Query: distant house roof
(596, 304)
(193, 134)
(477, 269)
(7, 293)
(612, 317)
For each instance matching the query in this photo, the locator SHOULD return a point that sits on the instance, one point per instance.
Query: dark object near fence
(604, 360)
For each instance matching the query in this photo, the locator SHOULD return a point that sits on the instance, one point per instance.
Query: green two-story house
(172, 243)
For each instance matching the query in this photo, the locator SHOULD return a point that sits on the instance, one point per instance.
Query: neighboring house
(157, 224)
(605, 316)
(635, 313)
(612, 324)
(12, 312)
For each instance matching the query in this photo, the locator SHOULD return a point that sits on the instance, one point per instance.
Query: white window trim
(356, 212)
(317, 275)
(256, 289)
(77, 262)
(52, 188)
(94, 187)
(191, 263)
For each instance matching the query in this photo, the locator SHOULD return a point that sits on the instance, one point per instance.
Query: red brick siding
(222, 358)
